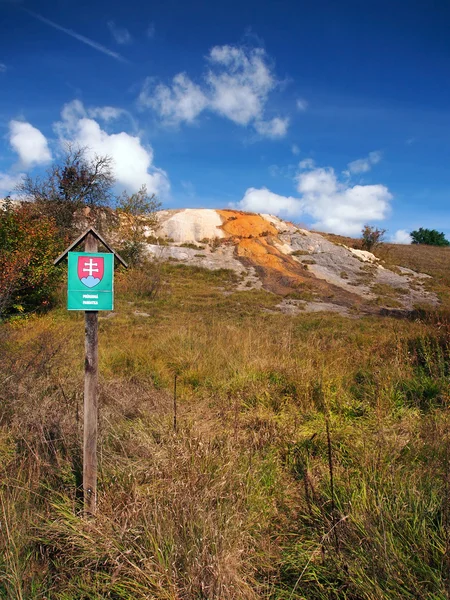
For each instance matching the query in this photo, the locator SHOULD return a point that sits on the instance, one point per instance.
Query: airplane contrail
(77, 36)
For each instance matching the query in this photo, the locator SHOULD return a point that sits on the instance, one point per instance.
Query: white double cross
(89, 267)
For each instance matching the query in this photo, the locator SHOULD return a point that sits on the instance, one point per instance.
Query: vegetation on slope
(28, 246)
(311, 458)
(431, 260)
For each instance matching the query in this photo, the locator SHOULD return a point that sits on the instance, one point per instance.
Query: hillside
(313, 272)
(310, 455)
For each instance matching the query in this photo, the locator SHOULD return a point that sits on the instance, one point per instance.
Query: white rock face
(364, 255)
(279, 224)
(222, 258)
(190, 225)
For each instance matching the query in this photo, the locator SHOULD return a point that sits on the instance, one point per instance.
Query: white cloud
(239, 82)
(334, 205)
(318, 180)
(302, 104)
(106, 113)
(3, 68)
(151, 31)
(363, 165)
(263, 200)
(120, 34)
(236, 86)
(272, 129)
(338, 207)
(29, 143)
(295, 149)
(8, 183)
(307, 163)
(375, 157)
(401, 236)
(183, 101)
(133, 161)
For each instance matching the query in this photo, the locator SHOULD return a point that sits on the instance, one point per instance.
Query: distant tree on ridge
(430, 237)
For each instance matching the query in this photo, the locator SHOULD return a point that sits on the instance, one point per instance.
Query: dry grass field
(310, 459)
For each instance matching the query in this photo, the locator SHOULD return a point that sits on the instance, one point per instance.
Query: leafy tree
(29, 243)
(138, 213)
(430, 237)
(76, 190)
(371, 237)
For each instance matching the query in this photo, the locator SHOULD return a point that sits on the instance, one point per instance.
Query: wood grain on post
(90, 401)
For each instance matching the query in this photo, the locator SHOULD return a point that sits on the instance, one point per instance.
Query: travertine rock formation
(311, 271)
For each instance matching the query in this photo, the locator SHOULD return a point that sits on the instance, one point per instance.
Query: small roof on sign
(81, 238)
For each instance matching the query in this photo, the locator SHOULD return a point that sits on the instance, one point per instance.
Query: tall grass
(238, 503)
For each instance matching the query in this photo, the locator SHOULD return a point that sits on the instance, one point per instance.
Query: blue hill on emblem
(90, 281)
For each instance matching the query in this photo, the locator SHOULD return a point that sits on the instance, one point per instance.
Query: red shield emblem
(90, 270)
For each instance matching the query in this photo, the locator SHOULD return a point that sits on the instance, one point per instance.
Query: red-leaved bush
(28, 246)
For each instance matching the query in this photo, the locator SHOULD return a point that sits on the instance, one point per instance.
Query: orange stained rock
(261, 253)
(254, 238)
(253, 235)
(244, 225)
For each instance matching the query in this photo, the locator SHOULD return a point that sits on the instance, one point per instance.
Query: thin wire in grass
(322, 541)
(175, 428)
(330, 467)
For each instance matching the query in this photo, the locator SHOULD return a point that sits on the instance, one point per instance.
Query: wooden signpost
(90, 288)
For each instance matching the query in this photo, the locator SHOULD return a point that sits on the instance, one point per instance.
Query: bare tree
(74, 187)
(138, 214)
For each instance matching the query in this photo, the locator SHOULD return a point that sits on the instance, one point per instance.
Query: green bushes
(430, 237)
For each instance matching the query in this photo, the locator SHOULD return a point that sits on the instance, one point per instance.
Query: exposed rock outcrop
(302, 265)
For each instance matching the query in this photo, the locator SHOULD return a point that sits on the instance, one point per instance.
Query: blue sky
(332, 114)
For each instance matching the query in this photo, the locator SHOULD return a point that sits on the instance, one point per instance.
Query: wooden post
(90, 401)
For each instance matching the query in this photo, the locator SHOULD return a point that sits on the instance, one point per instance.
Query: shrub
(143, 282)
(371, 237)
(28, 247)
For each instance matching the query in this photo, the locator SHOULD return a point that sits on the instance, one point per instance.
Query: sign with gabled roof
(90, 276)
(82, 237)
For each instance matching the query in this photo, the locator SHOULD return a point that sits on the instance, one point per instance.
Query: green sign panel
(90, 281)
